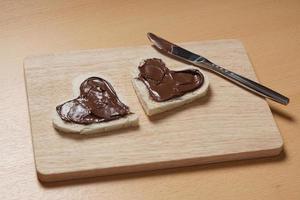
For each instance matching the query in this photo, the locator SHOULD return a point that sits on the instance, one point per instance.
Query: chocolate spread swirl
(97, 102)
(164, 84)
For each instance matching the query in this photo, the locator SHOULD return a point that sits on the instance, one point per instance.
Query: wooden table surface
(270, 31)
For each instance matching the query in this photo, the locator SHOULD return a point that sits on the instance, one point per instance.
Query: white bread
(67, 127)
(152, 107)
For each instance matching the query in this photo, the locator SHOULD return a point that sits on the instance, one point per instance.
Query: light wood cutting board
(228, 124)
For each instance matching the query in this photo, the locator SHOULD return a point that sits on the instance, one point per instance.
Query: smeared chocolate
(164, 84)
(97, 102)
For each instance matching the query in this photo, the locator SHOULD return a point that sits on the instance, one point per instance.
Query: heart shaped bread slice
(152, 107)
(88, 127)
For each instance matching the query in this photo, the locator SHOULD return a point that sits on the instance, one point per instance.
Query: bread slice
(152, 107)
(67, 127)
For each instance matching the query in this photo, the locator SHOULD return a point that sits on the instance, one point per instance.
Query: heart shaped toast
(96, 108)
(160, 89)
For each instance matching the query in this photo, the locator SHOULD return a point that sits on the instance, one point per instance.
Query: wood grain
(228, 124)
(269, 30)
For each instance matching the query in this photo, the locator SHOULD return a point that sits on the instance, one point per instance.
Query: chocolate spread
(97, 102)
(164, 84)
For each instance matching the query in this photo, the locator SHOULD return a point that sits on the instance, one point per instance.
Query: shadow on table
(282, 113)
(192, 169)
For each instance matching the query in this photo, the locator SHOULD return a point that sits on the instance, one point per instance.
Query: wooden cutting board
(228, 124)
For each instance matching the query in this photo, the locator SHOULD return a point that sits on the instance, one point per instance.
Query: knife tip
(154, 40)
(150, 36)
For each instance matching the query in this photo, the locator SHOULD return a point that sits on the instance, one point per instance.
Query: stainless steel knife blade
(200, 61)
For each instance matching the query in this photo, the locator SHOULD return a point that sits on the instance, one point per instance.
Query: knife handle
(248, 84)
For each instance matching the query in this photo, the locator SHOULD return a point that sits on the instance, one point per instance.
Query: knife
(184, 55)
